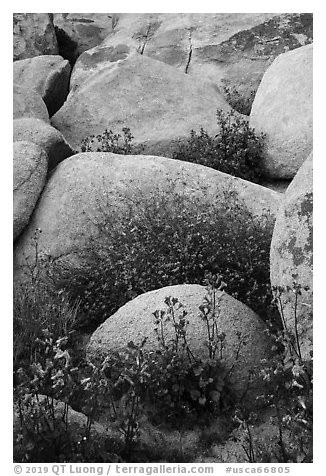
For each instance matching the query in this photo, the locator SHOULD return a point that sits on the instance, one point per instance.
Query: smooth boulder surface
(292, 255)
(159, 104)
(87, 188)
(40, 133)
(34, 35)
(29, 173)
(48, 75)
(135, 320)
(28, 103)
(283, 110)
(95, 60)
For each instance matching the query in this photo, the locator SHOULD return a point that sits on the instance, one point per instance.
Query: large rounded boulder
(159, 104)
(88, 188)
(28, 103)
(30, 168)
(34, 35)
(123, 225)
(282, 109)
(291, 257)
(39, 132)
(48, 75)
(245, 343)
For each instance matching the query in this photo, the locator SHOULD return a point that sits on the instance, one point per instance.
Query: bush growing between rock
(289, 394)
(235, 150)
(109, 142)
(37, 307)
(165, 242)
(168, 383)
(237, 101)
(168, 386)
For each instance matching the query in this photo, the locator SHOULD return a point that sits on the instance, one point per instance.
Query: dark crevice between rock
(68, 48)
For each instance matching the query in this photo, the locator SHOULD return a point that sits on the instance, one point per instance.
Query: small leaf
(202, 401)
(215, 396)
(194, 394)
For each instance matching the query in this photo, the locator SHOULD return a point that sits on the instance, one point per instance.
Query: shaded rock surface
(34, 35)
(85, 30)
(283, 110)
(135, 320)
(28, 103)
(29, 169)
(292, 253)
(158, 104)
(48, 75)
(41, 133)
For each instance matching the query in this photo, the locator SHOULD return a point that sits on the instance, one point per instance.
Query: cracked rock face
(232, 50)
(283, 110)
(28, 103)
(40, 133)
(86, 30)
(292, 252)
(135, 320)
(159, 104)
(30, 168)
(48, 75)
(175, 39)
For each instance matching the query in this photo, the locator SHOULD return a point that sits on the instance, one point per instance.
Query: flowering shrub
(37, 306)
(125, 384)
(289, 393)
(109, 142)
(235, 150)
(168, 385)
(237, 101)
(166, 239)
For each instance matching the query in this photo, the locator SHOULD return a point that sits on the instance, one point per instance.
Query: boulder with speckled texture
(292, 253)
